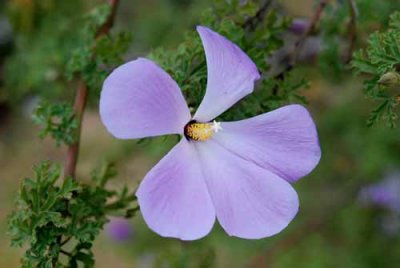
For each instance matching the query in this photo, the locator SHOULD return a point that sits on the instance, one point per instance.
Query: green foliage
(56, 221)
(336, 31)
(97, 54)
(38, 218)
(63, 219)
(59, 221)
(196, 256)
(64, 44)
(373, 15)
(45, 35)
(272, 94)
(257, 34)
(58, 121)
(380, 62)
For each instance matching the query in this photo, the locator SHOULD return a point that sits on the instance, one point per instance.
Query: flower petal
(250, 201)
(173, 196)
(230, 75)
(139, 99)
(284, 141)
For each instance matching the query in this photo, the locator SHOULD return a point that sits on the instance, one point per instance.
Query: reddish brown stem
(73, 149)
(81, 99)
(314, 21)
(352, 32)
(106, 27)
(293, 57)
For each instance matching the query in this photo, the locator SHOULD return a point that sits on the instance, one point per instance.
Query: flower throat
(200, 131)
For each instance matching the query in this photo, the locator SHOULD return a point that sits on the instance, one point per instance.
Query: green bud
(390, 79)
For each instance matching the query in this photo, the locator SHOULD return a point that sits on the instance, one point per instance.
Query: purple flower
(119, 229)
(299, 26)
(384, 194)
(238, 172)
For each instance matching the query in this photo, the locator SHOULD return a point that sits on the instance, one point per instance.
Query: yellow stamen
(199, 131)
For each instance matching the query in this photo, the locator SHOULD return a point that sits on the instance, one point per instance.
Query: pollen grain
(199, 131)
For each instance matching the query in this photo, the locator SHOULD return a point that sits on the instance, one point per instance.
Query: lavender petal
(139, 99)
(230, 75)
(284, 141)
(250, 201)
(173, 196)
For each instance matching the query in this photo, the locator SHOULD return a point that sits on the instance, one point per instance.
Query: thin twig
(66, 253)
(315, 224)
(66, 241)
(120, 203)
(73, 149)
(252, 22)
(81, 99)
(311, 28)
(265, 260)
(293, 57)
(352, 29)
(106, 27)
(79, 108)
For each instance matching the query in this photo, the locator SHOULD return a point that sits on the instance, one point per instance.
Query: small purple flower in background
(299, 25)
(238, 172)
(119, 229)
(384, 194)
(308, 52)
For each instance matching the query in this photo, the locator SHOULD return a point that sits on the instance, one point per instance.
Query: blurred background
(350, 204)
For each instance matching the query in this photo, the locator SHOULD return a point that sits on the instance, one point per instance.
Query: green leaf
(57, 121)
(378, 61)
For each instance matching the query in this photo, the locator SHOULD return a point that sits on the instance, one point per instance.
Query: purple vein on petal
(173, 196)
(250, 202)
(284, 141)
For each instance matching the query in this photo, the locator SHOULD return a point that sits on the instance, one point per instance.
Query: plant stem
(352, 32)
(73, 149)
(66, 253)
(314, 21)
(120, 203)
(252, 22)
(315, 224)
(293, 57)
(81, 100)
(65, 241)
